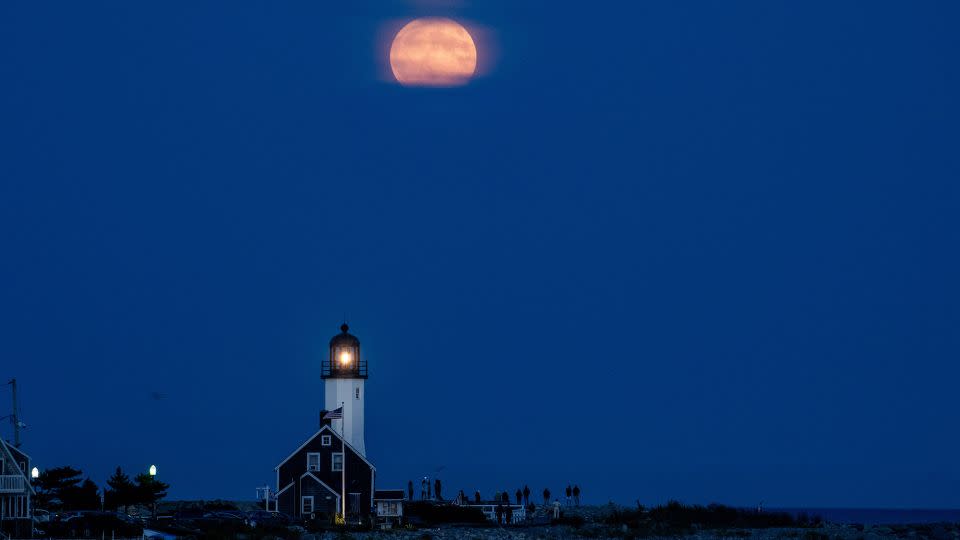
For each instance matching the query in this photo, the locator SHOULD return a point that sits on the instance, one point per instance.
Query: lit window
(337, 462)
(325, 440)
(313, 461)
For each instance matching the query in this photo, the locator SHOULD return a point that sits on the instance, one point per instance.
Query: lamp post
(153, 476)
(34, 475)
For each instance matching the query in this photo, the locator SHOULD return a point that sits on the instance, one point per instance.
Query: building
(330, 472)
(311, 481)
(15, 492)
(389, 506)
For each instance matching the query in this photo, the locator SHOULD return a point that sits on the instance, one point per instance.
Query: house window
(325, 440)
(357, 392)
(388, 508)
(313, 461)
(306, 504)
(336, 463)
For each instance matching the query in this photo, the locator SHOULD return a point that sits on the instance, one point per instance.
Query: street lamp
(153, 476)
(35, 473)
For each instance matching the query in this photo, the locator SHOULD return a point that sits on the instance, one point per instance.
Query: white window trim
(333, 461)
(319, 461)
(303, 504)
(326, 440)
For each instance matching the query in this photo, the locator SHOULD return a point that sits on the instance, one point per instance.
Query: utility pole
(16, 417)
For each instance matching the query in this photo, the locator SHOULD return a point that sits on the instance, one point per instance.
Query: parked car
(90, 524)
(41, 516)
(223, 518)
(232, 515)
(262, 518)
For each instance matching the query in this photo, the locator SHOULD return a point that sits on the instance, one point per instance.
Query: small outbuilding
(389, 506)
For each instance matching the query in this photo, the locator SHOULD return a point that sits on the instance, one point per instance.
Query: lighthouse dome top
(344, 338)
(344, 361)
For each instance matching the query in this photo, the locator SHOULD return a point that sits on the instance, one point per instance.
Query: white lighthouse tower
(344, 375)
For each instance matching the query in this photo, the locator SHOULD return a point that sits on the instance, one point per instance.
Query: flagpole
(343, 462)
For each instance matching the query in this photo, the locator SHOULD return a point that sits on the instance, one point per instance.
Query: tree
(148, 490)
(122, 492)
(53, 484)
(83, 497)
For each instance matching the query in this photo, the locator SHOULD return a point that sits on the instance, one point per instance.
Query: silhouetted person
(436, 489)
(569, 492)
(410, 489)
(509, 514)
(505, 498)
(556, 509)
(576, 495)
(476, 496)
(429, 496)
(526, 494)
(461, 497)
(499, 513)
(519, 495)
(546, 496)
(423, 488)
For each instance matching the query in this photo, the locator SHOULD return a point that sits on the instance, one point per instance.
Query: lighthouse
(344, 375)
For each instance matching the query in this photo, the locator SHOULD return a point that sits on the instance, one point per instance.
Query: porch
(12, 483)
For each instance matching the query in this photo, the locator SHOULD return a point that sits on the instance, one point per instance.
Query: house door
(353, 503)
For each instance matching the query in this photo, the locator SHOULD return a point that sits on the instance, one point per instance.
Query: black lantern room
(344, 361)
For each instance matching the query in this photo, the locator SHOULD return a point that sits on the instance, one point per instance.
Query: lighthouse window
(357, 392)
(337, 462)
(313, 461)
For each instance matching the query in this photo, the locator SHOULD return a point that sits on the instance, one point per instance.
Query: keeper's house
(15, 492)
(330, 471)
(311, 481)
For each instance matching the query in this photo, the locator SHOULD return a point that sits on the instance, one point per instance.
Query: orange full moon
(433, 52)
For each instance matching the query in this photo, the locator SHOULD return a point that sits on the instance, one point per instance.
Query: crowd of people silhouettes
(504, 507)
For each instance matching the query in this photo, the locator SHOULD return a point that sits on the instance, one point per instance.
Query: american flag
(336, 414)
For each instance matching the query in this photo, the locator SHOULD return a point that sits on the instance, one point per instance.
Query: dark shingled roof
(388, 494)
(344, 338)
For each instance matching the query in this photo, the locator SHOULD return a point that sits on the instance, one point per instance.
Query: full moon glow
(433, 52)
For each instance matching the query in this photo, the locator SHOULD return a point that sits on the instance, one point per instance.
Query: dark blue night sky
(693, 250)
